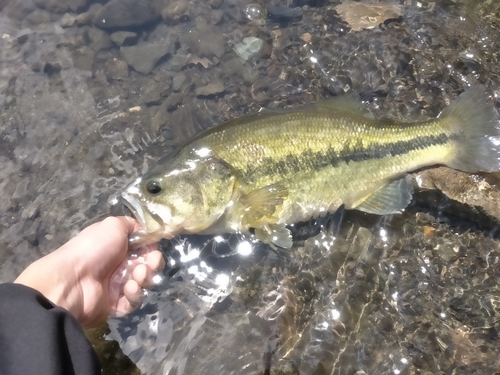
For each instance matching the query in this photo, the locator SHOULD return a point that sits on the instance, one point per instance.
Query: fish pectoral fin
(274, 235)
(258, 208)
(389, 199)
(262, 202)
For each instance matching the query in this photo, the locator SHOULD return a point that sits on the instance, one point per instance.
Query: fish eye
(153, 187)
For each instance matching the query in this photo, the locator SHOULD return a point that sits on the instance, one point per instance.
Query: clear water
(81, 117)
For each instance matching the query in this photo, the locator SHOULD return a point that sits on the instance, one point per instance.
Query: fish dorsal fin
(389, 199)
(347, 103)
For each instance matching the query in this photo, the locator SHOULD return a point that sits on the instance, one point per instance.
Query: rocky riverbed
(92, 93)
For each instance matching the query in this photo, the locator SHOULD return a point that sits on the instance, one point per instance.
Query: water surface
(93, 94)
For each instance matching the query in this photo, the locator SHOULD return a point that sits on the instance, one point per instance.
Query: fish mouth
(134, 206)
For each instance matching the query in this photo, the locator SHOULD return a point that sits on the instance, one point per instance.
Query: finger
(143, 250)
(155, 261)
(133, 293)
(125, 223)
(123, 307)
(143, 276)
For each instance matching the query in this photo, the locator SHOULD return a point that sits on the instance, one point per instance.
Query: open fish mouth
(134, 206)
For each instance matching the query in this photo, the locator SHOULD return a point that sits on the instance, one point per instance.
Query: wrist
(54, 282)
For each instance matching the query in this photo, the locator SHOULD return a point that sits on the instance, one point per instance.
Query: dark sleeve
(37, 337)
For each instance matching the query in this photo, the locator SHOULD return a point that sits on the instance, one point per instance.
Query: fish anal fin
(389, 199)
(274, 235)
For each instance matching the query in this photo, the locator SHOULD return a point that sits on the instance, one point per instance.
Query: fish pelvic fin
(389, 199)
(474, 126)
(274, 235)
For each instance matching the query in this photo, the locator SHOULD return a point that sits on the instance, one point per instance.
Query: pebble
(176, 62)
(306, 37)
(115, 69)
(258, 92)
(429, 231)
(177, 11)
(67, 21)
(216, 16)
(173, 101)
(216, 3)
(248, 47)
(38, 17)
(178, 81)
(213, 88)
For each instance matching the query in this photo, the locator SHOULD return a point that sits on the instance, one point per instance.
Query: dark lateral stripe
(309, 160)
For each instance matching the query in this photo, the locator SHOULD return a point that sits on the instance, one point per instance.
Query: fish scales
(317, 141)
(260, 173)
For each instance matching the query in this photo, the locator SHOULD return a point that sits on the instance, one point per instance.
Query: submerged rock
(176, 11)
(61, 6)
(361, 16)
(119, 14)
(99, 39)
(155, 93)
(216, 3)
(176, 62)
(38, 18)
(124, 38)
(237, 67)
(207, 42)
(284, 14)
(144, 57)
(469, 189)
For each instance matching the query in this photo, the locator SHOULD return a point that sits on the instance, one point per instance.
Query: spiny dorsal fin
(348, 103)
(389, 199)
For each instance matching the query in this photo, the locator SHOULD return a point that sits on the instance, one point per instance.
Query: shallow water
(81, 117)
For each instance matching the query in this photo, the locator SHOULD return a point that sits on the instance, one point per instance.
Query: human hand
(93, 276)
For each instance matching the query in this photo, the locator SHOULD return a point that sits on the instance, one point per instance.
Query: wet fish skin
(266, 171)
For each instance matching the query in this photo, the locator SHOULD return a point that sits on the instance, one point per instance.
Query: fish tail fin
(473, 122)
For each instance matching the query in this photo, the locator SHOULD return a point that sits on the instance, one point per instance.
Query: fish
(259, 174)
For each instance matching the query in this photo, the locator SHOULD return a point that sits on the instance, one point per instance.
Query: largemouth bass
(260, 173)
